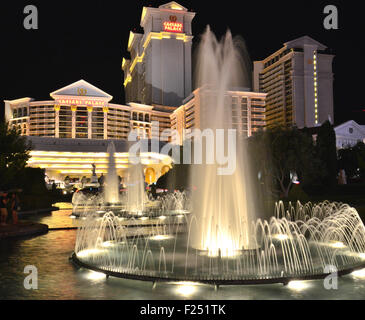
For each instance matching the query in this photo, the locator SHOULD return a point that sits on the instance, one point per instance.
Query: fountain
(222, 241)
(136, 194)
(223, 204)
(111, 189)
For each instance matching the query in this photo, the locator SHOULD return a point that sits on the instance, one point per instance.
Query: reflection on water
(58, 278)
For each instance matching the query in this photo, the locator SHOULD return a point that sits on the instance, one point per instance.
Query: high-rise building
(159, 68)
(247, 110)
(158, 85)
(298, 80)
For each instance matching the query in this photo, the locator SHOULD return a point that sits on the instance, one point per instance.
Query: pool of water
(58, 278)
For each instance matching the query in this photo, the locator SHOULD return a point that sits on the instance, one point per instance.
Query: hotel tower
(159, 69)
(298, 80)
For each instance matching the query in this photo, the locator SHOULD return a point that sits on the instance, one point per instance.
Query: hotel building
(81, 110)
(349, 133)
(248, 113)
(159, 69)
(71, 131)
(298, 80)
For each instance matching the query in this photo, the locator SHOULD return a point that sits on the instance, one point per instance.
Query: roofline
(87, 83)
(353, 122)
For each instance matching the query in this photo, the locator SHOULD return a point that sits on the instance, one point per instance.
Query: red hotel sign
(172, 26)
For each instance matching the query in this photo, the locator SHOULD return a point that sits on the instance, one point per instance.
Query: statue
(94, 177)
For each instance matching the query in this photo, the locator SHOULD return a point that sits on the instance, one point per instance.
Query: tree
(281, 152)
(327, 153)
(352, 160)
(14, 153)
(175, 179)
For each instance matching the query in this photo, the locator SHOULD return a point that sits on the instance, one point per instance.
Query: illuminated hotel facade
(71, 132)
(81, 110)
(80, 117)
(159, 69)
(298, 80)
(247, 109)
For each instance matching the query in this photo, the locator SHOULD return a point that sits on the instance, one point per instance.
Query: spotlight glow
(161, 237)
(186, 288)
(362, 256)
(88, 252)
(298, 285)
(92, 275)
(338, 245)
(108, 244)
(281, 236)
(359, 274)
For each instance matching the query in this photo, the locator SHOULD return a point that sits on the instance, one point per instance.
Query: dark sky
(87, 40)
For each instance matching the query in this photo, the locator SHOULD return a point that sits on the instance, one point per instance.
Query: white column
(105, 110)
(73, 132)
(57, 121)
(89, 121)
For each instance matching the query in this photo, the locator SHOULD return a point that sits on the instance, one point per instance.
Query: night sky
(88, 39)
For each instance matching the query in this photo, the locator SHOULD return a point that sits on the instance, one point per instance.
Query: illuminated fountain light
(281, 236)
(338, 245)
(359, 274)
(297, 285)
(223, 247)
(108, 244)
(136, 213)
(93, 275)
(162, 217)
(186, 288)
(88, 252)
(161, 237)
(143, 218)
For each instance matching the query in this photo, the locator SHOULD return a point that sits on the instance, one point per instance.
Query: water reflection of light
(92, 275)
(63, 205)
(298, 285)
(161, 237)
(186, 288)
(359, 274)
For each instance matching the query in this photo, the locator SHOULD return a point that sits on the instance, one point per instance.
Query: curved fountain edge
(217, 282)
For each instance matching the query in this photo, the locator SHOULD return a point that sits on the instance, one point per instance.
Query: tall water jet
(136, 195)
(111, 190)
(223, 203)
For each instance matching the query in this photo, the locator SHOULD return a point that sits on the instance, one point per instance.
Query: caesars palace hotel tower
(159, 70)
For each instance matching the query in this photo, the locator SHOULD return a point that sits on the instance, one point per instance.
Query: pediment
(81, 88)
